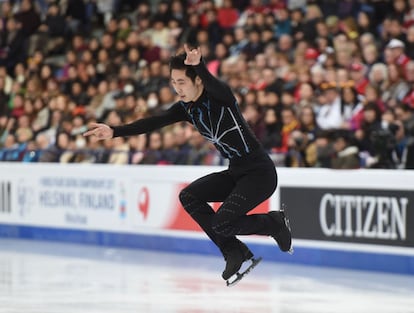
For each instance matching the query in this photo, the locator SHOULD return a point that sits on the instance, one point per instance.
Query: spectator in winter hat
(311, 56)
(397, 48)
(396, 43)
(357, 72)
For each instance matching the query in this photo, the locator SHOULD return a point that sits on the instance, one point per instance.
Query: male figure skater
(250, 179)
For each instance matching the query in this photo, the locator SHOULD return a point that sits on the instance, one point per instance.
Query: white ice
(42, 277)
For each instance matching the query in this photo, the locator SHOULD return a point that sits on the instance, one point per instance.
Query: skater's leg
(195, 197)
(250, 190)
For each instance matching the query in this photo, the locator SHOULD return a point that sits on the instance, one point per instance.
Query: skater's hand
(99, 131)
(193, 56)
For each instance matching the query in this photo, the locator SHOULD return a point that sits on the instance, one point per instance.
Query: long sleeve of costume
(174, 114)
(215, 87)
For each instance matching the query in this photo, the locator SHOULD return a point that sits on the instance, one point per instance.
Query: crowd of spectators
(322, 83)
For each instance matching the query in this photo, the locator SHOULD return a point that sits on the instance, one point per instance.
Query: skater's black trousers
(244, 185)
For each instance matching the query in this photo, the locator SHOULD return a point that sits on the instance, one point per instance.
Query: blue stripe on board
(391, 263)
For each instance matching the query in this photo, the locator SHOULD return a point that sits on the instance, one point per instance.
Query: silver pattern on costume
(215, 129)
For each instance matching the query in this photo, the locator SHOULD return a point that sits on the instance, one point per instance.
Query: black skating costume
(249, 180)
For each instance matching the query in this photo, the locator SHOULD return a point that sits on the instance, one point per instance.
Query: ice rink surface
(41, 277)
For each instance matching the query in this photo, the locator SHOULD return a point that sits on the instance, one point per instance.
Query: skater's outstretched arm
(102, 131)
(215, 87)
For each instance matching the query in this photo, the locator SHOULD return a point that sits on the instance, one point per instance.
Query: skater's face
(186, 89)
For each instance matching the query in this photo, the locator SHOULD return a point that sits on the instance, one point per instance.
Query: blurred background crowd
(322, 83)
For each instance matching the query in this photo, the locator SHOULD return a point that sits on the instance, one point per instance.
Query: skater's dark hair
(177, 63)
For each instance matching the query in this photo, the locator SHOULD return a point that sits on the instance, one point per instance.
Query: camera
(384, 142)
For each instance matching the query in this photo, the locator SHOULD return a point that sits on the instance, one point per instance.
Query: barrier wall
(359, 219)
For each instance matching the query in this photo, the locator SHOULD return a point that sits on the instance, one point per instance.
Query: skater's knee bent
(188, 201)
(223, 227)
(185, 198)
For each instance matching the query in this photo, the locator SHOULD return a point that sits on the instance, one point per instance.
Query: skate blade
(287, 223)
(239, 276)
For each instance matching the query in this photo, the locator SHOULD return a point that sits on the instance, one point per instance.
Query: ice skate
(239, 275)
(283, 237)
(235, 256)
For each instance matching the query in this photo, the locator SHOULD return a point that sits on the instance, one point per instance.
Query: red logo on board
(143, 202)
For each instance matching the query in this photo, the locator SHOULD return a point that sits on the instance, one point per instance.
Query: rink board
(339, 256)
(350, 219)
